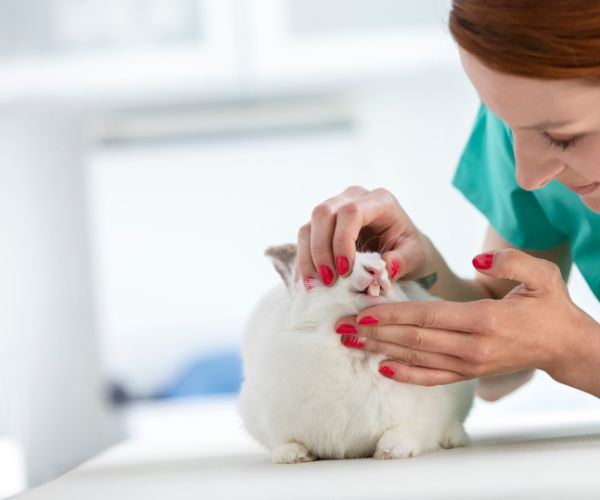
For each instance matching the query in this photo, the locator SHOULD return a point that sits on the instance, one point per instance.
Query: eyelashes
(561, 144)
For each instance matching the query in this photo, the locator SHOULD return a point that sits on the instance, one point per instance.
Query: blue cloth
(219, 373)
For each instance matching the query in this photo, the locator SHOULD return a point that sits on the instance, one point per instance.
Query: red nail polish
(353, 342)
(326, 274)
(483, 260)
(342, 265)
(368, 320)
(345, 328)
(386, 371)
(308, 283)
(395, 268)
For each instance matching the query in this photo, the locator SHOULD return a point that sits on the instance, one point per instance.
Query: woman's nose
(531, 178)
(535, 166)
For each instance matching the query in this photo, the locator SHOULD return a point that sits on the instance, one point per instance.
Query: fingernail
(386, 371)
(326, 274)
(395, 268)
(342, 265)
(353, 342)
(483, 260)
(368, 320)
(345, 328)
(308, 283)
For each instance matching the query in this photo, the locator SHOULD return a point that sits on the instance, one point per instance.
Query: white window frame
(188, 69)
(278, 56)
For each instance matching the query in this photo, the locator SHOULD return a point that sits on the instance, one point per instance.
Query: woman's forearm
(447, 284)
(576, 357)
(578, 364)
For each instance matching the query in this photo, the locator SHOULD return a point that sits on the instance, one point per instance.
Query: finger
(537, 275)
(305, 266)
(356, 214)
(323, 223)
(342, 204)
(392, 263)
(414, 357)
(404, 260)
(349, 218)
(418, 375)
(467, 317)
(346, 325)
(456, 344)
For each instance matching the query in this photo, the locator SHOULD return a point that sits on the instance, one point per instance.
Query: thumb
(405, 260)
(509, 263)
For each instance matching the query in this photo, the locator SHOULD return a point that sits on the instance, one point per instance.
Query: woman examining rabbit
(532, 166)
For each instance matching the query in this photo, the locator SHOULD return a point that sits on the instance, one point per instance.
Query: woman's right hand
(365, 220)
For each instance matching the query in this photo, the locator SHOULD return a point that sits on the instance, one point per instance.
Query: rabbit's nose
(372, 270)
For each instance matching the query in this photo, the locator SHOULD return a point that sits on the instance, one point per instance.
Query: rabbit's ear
(284, 257)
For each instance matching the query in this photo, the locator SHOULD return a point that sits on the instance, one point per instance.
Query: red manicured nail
(345, 328)
(342, 265)
(483, 260)
(395, 268)
(308, 283)
(368, 320)
(386, 371)
(353, 342)
(326, 274)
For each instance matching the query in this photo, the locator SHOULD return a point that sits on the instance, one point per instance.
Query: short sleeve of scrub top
(531, 220)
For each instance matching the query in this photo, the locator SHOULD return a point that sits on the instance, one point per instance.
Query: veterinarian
(532, 166)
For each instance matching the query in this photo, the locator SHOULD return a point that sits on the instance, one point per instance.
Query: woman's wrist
(577, 360)
(447, 285)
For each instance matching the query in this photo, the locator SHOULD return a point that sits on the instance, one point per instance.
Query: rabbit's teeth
(374, 289)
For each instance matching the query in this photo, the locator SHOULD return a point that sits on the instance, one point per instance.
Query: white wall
(180, 227)
(54, 402)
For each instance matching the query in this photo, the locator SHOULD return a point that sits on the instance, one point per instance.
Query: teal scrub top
(533, 220)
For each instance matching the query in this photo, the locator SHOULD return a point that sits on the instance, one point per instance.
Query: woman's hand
(367, 220)
(536, 325)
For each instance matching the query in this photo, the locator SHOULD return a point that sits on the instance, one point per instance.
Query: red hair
(550, 39)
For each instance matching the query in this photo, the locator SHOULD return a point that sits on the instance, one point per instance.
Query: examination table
(194, 450)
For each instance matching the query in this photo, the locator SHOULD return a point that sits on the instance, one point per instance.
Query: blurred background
(150, 150)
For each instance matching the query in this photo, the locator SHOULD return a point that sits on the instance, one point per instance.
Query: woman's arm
(535, 325)
(579, 365)
(482, 330)
(451, 287)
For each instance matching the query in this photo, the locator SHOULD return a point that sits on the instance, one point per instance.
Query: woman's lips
(587, 189)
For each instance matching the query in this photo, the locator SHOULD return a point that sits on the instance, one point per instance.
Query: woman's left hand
(437, 342)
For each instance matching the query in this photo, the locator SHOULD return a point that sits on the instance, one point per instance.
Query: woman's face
(555, 125)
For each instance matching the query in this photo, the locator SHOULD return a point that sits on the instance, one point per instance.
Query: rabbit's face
(366, 286)
(369, 277)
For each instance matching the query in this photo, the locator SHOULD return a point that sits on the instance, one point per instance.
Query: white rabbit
(306, 396)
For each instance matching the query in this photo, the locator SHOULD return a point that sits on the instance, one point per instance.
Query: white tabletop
(199, 450)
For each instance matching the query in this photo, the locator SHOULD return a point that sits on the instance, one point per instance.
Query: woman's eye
(562, 144)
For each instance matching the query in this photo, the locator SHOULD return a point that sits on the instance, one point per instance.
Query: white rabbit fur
(306, 396)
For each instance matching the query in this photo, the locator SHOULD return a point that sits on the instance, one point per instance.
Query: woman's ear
(284, 258)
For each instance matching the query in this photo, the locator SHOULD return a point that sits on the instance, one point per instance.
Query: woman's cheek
(586, 162)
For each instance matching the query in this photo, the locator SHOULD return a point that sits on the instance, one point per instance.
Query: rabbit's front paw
(397, 444)
(454, 435)
(291, 453)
